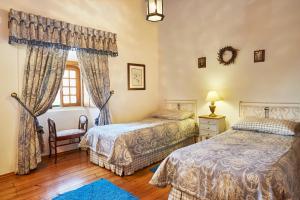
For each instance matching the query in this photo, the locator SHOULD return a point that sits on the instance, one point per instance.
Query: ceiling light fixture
(155, 10)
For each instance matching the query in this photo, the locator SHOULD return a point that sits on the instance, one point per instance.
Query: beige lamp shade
(213, 96)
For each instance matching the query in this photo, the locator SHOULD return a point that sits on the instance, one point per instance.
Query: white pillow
(173, 114)
(268, 125)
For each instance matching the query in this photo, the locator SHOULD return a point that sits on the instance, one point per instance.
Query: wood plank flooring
(73, 170)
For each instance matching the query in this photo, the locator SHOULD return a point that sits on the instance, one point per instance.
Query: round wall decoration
(227, 55)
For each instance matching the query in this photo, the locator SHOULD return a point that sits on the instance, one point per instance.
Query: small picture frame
(136, 75)
(259, 55)
(202, 62)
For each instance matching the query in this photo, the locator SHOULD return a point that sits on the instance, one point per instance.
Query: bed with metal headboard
(239, 163)
(128, 147)
(184, 105)
(288, 111)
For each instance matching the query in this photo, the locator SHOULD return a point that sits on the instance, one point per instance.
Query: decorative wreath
(221, 53)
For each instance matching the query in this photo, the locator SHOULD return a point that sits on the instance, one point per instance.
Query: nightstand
(211, 126)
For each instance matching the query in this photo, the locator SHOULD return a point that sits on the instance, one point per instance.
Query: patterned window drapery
(48, 41)
(26, 28)
(43, 74)
(96, 75)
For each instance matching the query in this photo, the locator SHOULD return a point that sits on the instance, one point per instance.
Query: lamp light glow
(213, 96)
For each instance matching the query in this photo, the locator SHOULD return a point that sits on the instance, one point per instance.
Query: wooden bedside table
(211, 126)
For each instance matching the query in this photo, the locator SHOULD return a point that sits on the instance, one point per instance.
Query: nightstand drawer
(208, 127)
(208, 133)
(208, 121)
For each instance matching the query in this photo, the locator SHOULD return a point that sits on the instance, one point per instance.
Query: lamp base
(212, 108)
(213, 115)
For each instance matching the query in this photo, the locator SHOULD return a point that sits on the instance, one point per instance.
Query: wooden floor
(73, 170)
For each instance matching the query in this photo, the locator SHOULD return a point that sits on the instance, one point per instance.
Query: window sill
(71, 108)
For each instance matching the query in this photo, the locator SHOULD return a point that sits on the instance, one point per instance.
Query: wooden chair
(71, 134)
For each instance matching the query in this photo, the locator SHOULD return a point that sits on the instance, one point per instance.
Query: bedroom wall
(137, 43)
(197, 28)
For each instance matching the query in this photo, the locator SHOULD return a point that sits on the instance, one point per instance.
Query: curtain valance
(26, 28)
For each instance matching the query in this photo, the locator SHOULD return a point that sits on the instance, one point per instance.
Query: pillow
(267, 125)
(173, 114)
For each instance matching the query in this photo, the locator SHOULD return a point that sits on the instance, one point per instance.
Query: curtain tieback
(98, 118)
(39, 129)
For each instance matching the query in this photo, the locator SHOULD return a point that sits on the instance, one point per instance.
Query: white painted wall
(197, 28)
(137, 42)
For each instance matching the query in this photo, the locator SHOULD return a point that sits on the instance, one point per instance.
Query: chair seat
(70, 133)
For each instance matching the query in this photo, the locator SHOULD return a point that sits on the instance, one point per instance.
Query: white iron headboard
(289, 111)
(186, 105)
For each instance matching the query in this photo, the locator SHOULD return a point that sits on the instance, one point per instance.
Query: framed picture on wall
(136, 74)
(259, 55)
(202, 62)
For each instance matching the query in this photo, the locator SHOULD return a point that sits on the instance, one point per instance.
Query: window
(70, 91)
(71, 87)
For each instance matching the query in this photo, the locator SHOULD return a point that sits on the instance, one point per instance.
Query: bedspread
(120, 143)
(235, 165)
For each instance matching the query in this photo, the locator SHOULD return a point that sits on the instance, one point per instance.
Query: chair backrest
(52, 128)
(83, 122)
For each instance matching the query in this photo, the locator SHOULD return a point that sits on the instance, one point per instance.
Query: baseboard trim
(7, 175)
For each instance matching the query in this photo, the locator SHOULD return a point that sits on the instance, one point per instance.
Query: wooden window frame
(72, 65)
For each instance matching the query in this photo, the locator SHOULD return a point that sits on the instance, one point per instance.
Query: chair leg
(55, 153)
(49, 148)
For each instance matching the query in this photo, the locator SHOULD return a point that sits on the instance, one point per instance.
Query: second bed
(257, 159)
(126, 148)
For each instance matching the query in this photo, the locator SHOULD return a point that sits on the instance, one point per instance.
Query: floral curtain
(96, 75)
(26, 28)
(43, 73)
(48, 41)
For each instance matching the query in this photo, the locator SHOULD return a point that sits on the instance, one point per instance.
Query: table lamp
(212, 97)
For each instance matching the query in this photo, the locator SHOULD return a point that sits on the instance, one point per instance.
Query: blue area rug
(153, 169)
(98, 190)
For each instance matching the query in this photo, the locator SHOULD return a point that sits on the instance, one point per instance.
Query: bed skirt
(179, 195)
(139, 162)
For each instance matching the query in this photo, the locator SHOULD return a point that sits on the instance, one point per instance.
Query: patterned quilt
(121, 143)
(235, 165)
